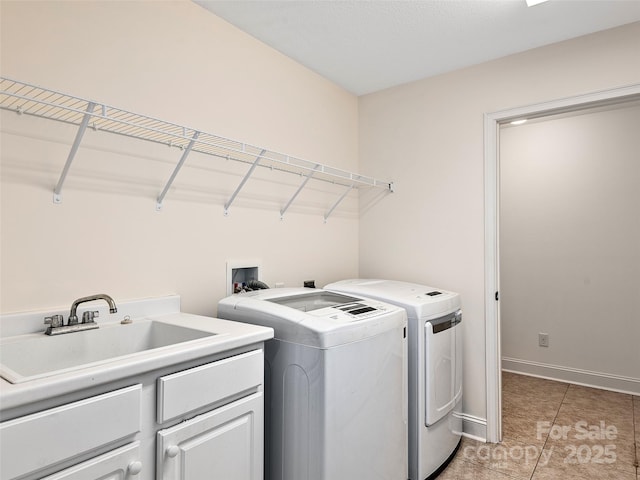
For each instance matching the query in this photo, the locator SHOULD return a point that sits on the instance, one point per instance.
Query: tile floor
(553, 430)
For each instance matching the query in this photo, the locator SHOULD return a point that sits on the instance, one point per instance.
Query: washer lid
(313, 317)
(420, 301)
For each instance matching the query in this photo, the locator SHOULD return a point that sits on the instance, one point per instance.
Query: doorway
(493, 121)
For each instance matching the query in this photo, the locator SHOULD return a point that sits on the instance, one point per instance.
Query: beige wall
(178, 62)
(428, 137)
(570, 241)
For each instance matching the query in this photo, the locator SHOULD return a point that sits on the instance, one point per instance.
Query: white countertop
(228, 335)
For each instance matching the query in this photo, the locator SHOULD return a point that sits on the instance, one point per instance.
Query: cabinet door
(226, 443)
(120, 464)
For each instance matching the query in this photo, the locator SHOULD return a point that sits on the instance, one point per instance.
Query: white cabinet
(201, 419)
(120, 464)
(226, 443)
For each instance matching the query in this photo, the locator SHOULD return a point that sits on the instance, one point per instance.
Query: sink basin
(29, 357)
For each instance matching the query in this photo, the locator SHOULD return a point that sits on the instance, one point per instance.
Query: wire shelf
(28, 99)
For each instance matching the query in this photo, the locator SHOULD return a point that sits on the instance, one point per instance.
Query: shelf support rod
(57, 196)
(342, 197)
(184, 156)
(244, 180)
(302, 185)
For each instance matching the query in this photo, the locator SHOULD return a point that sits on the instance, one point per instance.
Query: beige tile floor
(553, 430)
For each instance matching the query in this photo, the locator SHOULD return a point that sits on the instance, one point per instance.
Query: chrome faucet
(73, 318)
(56, 322)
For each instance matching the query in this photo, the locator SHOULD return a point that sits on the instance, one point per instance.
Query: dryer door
(443, 380)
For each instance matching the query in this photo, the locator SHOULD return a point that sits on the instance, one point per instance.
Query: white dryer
(435, 367)
(335, 383)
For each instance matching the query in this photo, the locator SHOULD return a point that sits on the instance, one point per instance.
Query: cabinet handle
(172, 451)
(135, 467)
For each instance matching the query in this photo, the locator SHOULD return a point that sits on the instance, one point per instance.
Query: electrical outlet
(279, 284)
(543, 339)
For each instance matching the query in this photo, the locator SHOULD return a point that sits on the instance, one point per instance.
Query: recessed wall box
(241, 271)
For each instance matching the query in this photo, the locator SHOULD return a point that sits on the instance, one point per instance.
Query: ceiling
(369, 45)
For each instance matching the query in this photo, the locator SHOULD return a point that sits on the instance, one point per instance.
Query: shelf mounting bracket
(57, 191)
(302, 185)
(338, 202)
(184, 156)
(244, 180)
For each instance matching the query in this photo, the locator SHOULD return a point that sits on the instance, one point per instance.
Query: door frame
(492, 122)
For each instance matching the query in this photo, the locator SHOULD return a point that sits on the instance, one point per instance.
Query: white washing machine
(435, 367)
(335, 383)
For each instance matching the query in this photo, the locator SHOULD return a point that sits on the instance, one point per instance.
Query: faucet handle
(54, 320)
(88, 317)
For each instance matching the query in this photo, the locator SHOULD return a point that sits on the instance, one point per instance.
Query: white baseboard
(576, 376)
(474, 427)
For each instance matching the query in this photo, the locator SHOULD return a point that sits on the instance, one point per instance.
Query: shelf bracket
(342, 197)
(184, 156)
(302, 185)
(244, 180)
(57, 195)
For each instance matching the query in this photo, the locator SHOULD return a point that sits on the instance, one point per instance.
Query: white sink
(29, 357)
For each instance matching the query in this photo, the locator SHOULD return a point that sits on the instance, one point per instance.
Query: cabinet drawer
(120, 464)
(42, 439)
(189, 390)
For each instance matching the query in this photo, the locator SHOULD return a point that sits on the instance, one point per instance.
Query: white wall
(177, 62)
(570, 241)
(427, 136)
